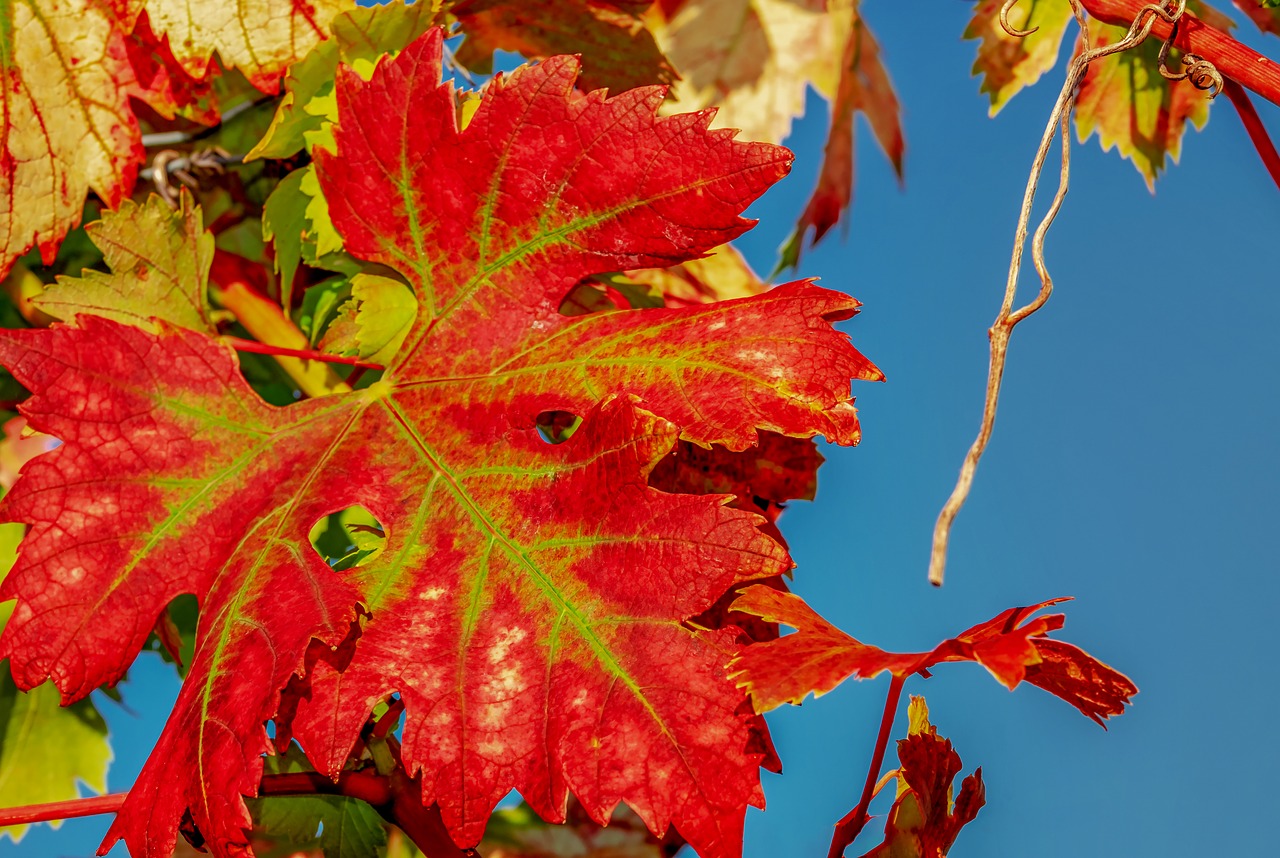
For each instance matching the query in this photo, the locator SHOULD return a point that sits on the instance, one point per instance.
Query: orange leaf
(1012, 646)
(864, 88)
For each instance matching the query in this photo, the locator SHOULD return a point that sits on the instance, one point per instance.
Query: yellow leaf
(1130, 106)
(1008, 63)
(387, 311)
(66, 127)
(752, 59)
(261, 39)
(159, 261)
(722, 275)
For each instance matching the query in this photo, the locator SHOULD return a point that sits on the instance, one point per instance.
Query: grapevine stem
(264, 318)
(848, 828)
(1231, 58)
(1007, 319)
(365, 786)
(1253, 124)
(70, 809)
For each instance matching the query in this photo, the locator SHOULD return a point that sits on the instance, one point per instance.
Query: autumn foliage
(454, 410)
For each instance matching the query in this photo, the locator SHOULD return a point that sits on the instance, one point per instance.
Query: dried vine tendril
(1201, 73)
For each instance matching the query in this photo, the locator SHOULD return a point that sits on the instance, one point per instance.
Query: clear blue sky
(1134, 467)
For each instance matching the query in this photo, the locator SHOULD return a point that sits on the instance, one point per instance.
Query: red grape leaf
(1012, 646)
(924, 822)
(529, 604)
(620, 53)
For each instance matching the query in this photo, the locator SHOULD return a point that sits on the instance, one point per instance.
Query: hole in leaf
(556, 427)
(348, 538)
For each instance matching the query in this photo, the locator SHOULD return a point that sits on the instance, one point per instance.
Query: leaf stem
(264, 318)
(242, 345)
(69, 809)
(366, 786)
(177, 138)
(848, 828)
(1253, 124)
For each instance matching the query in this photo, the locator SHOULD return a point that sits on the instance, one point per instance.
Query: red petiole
(848, 828)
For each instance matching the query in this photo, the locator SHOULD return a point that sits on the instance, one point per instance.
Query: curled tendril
(1009, 28)
(187, 169)
(1201, 73)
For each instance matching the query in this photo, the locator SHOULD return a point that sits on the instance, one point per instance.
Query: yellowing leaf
(66, 127)
(918, 715)
(384, 312)
(720, 276)
(326, 237)
(752, 59)
(46, 749)
(864, 88)
(260, 38)
(1008, 63)
(358, 35)
(1126, 102)
(159, 262)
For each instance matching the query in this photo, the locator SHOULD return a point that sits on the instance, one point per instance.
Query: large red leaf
(530, 602)
(1013, 646)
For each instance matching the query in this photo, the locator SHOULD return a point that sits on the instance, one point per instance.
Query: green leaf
(320, 305)
(384, 313)
(340, 826)
(44, 749)
(358, 35)
(284, 224)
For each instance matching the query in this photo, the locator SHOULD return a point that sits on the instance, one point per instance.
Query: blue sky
(1134, 467)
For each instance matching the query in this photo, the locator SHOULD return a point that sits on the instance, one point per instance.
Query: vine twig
(178, 138)
(1234, 60)
(1253, 125)
(1007, 319)
(851, 825)
(396, 797)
